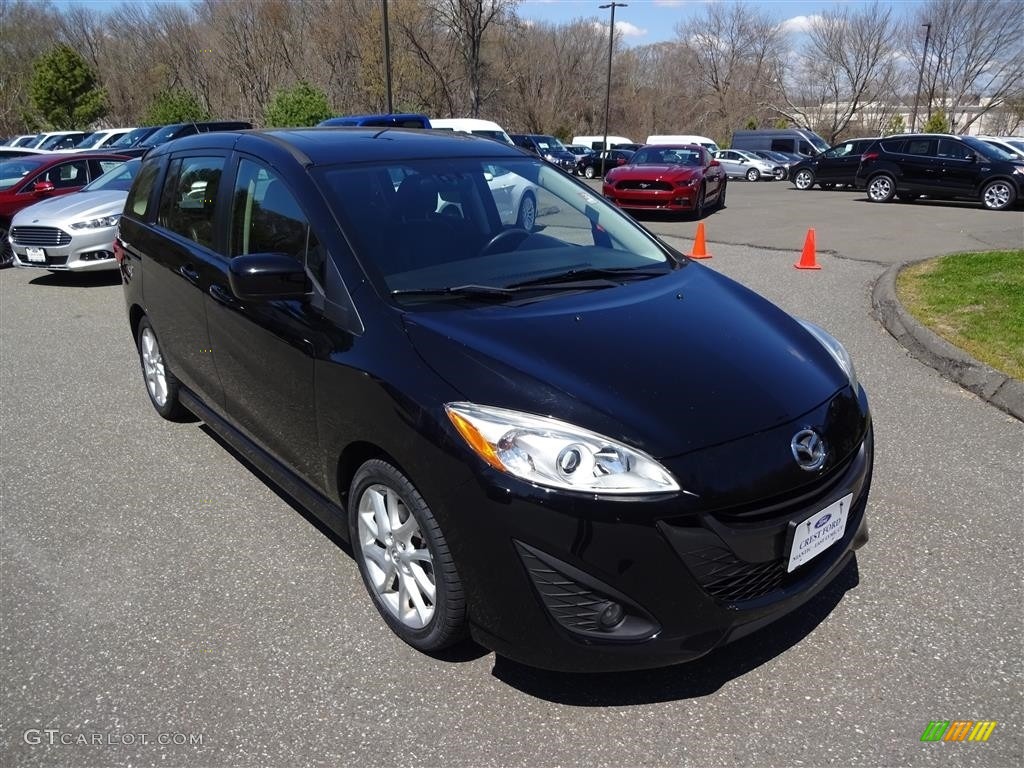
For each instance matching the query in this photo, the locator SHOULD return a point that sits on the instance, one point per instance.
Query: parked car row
(906, 167)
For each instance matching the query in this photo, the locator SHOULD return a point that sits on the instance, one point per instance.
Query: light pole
(608, 86)
(920, 77)
(387, 58)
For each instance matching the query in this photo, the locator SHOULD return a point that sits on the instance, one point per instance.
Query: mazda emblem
(808, 450)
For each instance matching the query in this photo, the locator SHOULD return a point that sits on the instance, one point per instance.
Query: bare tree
(849, 60)
(736, 48)
(975, 59)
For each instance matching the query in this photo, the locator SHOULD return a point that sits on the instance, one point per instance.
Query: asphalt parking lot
(154, 587)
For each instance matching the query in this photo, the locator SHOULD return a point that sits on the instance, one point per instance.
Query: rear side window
(138, 198)
(66, 175)
(920, 147)
(189, 197)
(266, 218)
(895, 146)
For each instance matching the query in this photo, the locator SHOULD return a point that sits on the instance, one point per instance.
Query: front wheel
(998, 195)
(753, 174)
(527, 217)
(698, 204)
(881, 188)
(803, 180)
(161, 385)
(404, 559)
(589, 171)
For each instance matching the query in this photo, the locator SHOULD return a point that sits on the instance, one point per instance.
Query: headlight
(102, 221)
(688, 183)
(837, 350)
(555, 454)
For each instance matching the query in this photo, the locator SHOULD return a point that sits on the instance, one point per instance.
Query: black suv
(488, 413)
(836, 165)
(548, 147)
(942, 166)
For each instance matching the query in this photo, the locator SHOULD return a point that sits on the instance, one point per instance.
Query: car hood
(78, 206)
(669, 365)
(656, 172)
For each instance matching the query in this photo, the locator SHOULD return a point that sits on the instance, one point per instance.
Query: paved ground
(151, 583)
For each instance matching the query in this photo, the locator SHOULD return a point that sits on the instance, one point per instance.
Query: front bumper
(671, 199)
(65, 250)
(689, 575)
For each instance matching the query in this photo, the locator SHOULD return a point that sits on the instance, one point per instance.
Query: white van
(596, 142)
(484, 128)
(703, 141)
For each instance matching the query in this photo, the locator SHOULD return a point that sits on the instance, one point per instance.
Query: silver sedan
(74, 232)
(741, 164)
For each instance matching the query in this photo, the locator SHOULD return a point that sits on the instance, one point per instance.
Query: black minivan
(564, 439)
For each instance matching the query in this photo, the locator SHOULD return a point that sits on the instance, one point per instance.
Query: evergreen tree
(64, 91)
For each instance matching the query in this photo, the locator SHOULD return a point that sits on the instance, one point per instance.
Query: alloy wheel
(997, 195)
(397, 557)
(153, 367)
(804, 180)
(880, 189)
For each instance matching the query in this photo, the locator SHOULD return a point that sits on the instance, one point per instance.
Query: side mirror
(267, 276)
(743, 159)
(42, 187)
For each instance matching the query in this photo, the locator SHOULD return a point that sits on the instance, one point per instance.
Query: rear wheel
(753, 174)
(721, 194)
(998, 195)
(161, 385)
(779, 174)
(804, 179)
(589, 171)
(404, 559)
(881, 188)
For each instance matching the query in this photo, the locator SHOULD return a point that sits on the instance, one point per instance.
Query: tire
(527, 218)
(804, 179)
(389, 521)
(753, 174)
(881, 188)
(6, 251)
(721, 195)
(698, 206)
(589, 171)
(998, 195)
(162, 386)
(779, 174)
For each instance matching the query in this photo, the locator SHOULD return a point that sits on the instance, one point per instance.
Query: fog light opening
(611, 616)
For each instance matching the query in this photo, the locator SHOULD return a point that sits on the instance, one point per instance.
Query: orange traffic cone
(808, 260)
(700, 250)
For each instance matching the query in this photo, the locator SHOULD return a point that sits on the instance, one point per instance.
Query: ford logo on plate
(823, 521)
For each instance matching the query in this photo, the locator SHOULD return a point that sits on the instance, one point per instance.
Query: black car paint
(691, 367)
(830, 168)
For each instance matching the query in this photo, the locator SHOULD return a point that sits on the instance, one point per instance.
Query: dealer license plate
(819, 532)
(35, 254)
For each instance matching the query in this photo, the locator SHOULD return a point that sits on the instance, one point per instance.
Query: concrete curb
(952, 362)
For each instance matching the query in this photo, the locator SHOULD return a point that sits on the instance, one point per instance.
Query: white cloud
(799, 24)
(622, 29)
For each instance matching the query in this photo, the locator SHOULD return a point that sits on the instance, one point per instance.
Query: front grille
(47, 237)
(645, 186)
(728, 578)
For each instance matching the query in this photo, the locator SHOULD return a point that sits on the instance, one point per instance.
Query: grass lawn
(973, 300)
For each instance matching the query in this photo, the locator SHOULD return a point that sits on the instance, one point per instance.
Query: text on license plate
(35, 254)
(819, 532)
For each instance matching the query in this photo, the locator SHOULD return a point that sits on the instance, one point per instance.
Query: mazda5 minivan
(562, 438)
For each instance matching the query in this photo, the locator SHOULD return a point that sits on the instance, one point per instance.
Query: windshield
(64, 140)
(166, 133)
(14, 170)
(117, 178)
(427, 225)
(549, 144)
(495, 135)
(986, 149)
(667, 156)
(819, 143)
(131, 138)
(91, 141)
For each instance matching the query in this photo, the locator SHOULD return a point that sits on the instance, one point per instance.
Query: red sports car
(29, 179)
(667, 177)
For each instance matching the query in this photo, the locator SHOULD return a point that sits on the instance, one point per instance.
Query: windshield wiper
(470, 289)
(581, 274)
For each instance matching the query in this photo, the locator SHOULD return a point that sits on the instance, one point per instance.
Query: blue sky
(650, 21)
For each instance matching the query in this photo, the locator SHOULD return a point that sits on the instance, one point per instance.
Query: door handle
(222, 295)
(190, 273)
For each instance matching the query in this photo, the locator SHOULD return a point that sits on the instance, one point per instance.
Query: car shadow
(930, 202)
(695, 679)
(103, 279)
(460, 653)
